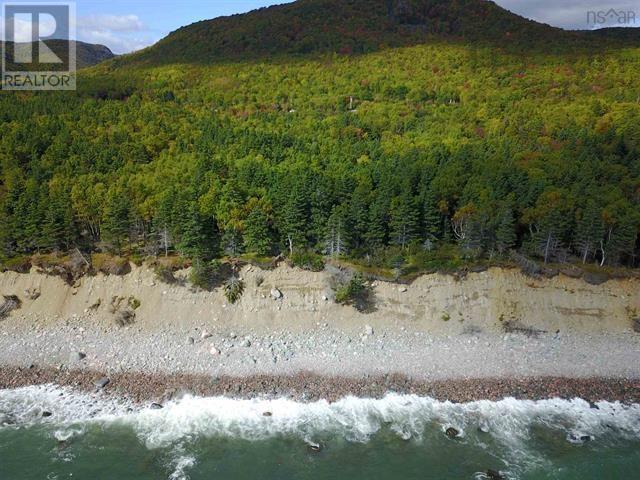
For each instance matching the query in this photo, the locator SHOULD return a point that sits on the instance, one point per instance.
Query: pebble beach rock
(103, 382)
(276, 294)
(75, 357)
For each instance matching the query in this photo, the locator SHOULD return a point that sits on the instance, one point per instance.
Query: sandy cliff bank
(493, 324)
(434, 303)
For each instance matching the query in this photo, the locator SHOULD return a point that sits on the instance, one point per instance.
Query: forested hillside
(87, 54)
(427, 154)
(354, 27)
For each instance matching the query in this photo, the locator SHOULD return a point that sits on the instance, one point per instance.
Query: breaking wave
(508, 423)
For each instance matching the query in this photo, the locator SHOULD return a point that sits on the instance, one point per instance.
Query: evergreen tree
(505, 233)
(6, 231)
(294, 219)
(337, 232)
(232, 240)
(377, 231)
(589, 231)
(358, 215)
(115, 219)
(195, 242)
(431, 217)
(163, 223)
(548, 238)
(57, 226)
(620, 240)
(320, 203)
(257, 237)
(478, 234)
(549, 224)
(28, 217)
(404, 220)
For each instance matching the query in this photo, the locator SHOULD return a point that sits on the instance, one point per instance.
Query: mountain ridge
(87, 54)
(361, 26)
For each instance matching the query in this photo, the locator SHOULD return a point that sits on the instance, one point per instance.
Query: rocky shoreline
(491, 335)
(144, 388)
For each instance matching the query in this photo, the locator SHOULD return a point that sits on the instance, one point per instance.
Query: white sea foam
(181, 464)
(357, 419)
(508, 421)
(29, 405)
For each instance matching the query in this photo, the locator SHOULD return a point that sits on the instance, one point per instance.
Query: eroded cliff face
(497, 300)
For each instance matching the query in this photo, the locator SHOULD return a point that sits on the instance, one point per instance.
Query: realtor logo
(38, 50)
(611, 17)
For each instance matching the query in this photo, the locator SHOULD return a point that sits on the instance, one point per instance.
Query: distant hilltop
(362, 26)
(87, 54)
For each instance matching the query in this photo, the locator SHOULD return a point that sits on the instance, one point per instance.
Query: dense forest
(424, 155)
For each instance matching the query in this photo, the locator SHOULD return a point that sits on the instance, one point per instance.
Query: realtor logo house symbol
(38, 51)
(611, 17)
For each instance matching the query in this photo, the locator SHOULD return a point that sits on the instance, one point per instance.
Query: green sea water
(397, 437)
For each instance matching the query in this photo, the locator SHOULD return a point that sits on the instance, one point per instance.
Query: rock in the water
(494, 475)
(46, 414)
(205, 334)
(368, 330)
(267, 414)
(246, 343)
(191, 340)
(75, 357)
(214, 351)
(155, 406)
(484, 428)
(7, 419)
(276, 294)
(315, 447)
(452, 432)
(579, 438)
(103, 382)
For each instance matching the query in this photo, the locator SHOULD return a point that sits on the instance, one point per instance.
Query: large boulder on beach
(276, 294)
(102, 382)
(11, 303)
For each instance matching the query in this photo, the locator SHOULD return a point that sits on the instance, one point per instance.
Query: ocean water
(396, 437)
